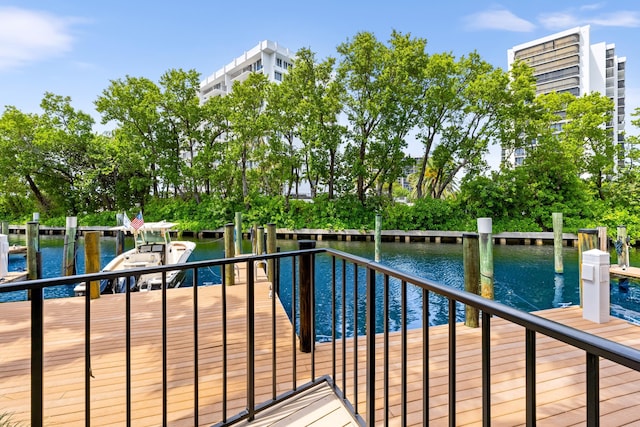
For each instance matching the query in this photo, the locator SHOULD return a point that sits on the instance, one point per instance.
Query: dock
(560, 368)
(14, 276)
(17, 249)
(625, 273)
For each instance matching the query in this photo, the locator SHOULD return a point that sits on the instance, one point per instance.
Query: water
(524, 277)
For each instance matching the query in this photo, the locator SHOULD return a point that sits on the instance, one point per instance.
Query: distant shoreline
(424, 236)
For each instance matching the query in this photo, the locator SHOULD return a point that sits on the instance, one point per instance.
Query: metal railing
(346, 273)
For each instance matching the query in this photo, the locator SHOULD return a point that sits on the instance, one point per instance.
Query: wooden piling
(557, 242)
(238, 239)
(5, 227)
(92, 260)
(34, 269)
(486, 257)
(229, 278)
(622, 247)
(471, 261)
(119, 234)
(587, 240)
(378, 237)
(603, 240)
(271, 249)
(307, 333)
(260, 245)
(69, 253)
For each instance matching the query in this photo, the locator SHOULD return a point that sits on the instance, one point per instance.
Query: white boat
(153, 247)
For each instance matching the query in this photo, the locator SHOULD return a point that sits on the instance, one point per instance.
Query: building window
(257, 66)
(279, 62)
(278, 76)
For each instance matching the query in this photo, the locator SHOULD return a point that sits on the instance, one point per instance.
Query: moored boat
(153, 247)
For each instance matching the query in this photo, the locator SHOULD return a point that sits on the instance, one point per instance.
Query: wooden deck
(560, 368)
(629, 272)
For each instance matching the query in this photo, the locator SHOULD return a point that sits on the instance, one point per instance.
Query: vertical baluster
(486, 369)
(452, 362)
(530, 349)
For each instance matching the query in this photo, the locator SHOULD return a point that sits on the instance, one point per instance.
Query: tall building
(568, 62)
(266, 57)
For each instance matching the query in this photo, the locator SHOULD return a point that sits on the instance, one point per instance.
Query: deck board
(560, 369)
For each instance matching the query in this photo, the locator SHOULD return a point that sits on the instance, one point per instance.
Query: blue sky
(74, 48)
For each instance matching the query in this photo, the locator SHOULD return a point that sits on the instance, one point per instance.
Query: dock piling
(557, 242)
(119, 234)
(229, 278)
(238, 239)
(486, 257)
(5, 227)
(271, 249)
(471, 261)
(92, 260)
(69, 253)
(307, 333)
(33, 250)
(378, 237)
(587, 240)
(622, 247)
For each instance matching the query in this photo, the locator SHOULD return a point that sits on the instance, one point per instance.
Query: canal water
(524, 277)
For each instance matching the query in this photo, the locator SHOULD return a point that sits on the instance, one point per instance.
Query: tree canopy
(339, 126)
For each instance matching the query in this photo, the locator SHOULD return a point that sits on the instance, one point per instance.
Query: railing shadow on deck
(347, 272)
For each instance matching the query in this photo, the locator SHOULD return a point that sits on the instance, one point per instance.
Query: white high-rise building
(266, 57)
(568, 62)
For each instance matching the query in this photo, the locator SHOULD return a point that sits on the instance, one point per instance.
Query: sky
(76, 48)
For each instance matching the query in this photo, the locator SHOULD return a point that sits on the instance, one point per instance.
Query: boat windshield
(152, 236)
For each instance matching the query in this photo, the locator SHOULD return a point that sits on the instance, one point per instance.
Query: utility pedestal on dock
(595, 277)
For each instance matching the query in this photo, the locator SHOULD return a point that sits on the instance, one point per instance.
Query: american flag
(138, 221)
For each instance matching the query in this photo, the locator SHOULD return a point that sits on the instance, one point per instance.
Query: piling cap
(595, 256)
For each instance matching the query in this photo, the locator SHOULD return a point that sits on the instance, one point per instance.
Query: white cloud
(618, 19)
(565, 20)
(593, 6)
(28, 36)
(558, 21)
(499, 19)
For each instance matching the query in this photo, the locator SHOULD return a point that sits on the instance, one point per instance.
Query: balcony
(228, 354)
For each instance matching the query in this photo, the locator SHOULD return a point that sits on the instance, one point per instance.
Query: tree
(586, 132)
(308, 103)
(55, 155)
(181, 112)
(248, 125)
(133, 103)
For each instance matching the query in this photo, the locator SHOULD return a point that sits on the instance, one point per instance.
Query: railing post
(307, 335)
(371, 348)
(471, 261)
(37, 358)
(251, 341)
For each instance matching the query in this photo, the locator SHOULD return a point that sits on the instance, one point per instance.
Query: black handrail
(595, 347)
